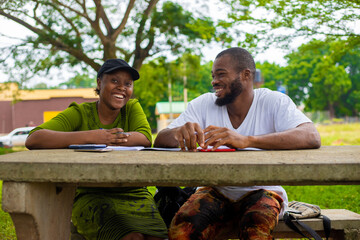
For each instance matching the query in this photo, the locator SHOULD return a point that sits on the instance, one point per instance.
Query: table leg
(40, 211)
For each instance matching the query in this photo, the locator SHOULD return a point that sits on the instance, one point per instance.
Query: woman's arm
(44, 138)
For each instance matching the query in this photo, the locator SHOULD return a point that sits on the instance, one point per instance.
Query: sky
(15, 31)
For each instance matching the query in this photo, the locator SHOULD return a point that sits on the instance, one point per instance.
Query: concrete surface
(39, 186)
(327, 165)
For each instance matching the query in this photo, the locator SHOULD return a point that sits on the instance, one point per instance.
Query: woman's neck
(106, 115)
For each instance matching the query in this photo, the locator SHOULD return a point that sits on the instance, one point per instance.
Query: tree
(84, 33)
(350, 102)
(152, 87)
(281, 21)
(329, 82)
(272, 73)
(80, 81)
(156, 74)
(320, 75)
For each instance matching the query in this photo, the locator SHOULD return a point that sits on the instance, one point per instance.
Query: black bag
(300, 210)
(170, 199)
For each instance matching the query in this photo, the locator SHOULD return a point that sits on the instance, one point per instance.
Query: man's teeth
(218, 90)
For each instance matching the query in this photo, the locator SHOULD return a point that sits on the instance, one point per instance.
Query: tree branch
(145, 16)
(21, 22)
(68, 20)
(121, 26)
(105, 19)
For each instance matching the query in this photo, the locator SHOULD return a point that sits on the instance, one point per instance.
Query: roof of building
(164, 107)
(10, 91)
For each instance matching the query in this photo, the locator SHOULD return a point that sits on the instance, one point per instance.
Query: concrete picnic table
(39, 185)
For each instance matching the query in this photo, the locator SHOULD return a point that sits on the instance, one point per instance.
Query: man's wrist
(251, 141)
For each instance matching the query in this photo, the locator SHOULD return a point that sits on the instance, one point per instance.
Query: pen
(127, 134)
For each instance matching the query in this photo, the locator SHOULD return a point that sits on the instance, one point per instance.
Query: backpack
(300, 210)
(170, 199)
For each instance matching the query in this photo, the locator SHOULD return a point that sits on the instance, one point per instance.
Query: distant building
(167, 112)
(19, 108)
(258, 80)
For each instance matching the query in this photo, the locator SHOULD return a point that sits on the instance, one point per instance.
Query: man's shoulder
(205, 98)
(265, 94)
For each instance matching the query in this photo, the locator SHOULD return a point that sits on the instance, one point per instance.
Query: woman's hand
(114, 136)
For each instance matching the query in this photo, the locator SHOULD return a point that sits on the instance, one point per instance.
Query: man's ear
(246, 75)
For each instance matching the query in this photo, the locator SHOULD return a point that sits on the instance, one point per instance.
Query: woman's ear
(98, 81)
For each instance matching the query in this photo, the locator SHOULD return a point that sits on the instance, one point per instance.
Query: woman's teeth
(119, 96)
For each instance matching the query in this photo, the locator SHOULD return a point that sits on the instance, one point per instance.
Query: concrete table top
(325, 166)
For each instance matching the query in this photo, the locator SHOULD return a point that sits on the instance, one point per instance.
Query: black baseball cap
(111, 65)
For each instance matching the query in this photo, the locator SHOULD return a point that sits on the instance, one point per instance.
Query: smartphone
(87, 146)
(93, 150)
(218, 150)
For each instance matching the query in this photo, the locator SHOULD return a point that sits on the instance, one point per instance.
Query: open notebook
(104, 148)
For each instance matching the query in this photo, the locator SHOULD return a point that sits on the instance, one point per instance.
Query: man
(237, 116)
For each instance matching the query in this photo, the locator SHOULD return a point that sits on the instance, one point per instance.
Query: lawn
(347, 197)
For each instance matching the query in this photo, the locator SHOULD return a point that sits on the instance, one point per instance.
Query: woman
(115, 119)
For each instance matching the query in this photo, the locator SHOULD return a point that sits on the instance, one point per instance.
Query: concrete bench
(39, 186)
(345, 225)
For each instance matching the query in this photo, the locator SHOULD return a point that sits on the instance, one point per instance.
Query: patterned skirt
(103, 213)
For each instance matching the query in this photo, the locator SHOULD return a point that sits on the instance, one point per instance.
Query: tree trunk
(331, 110)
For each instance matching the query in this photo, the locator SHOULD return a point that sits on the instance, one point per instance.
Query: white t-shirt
(270, 112)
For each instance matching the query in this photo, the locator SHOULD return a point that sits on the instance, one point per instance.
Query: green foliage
(281, 21)
(324, 77)
(273, 74)
(71, 34)
(173, 20)
(156, 75)
(152, 87)
(329, 82)
(80, 81)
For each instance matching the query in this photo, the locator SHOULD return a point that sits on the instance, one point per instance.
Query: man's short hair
(242, 59)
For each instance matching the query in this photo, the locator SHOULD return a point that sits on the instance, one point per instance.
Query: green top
(82, 117)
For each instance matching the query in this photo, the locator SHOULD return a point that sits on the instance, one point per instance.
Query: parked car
(16, 137)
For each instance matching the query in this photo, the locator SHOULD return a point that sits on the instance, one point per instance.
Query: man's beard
(235, 90)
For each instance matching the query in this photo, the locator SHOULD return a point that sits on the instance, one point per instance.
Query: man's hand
(188, 135)
(217, 136)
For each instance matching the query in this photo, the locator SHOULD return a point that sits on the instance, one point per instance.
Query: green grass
(5, 150)
(7, 229)
(336, 197)
(340, 134)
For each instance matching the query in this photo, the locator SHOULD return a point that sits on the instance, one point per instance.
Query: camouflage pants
(209, 215)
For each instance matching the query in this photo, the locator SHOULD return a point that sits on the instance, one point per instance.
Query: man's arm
(187, 136)
(303, 136)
